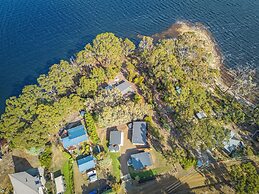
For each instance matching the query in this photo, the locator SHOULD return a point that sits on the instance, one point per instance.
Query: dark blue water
(37, 33)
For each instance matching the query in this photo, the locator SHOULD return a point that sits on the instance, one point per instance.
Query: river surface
(37, 33)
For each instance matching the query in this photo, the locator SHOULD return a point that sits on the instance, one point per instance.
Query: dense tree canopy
(245, 178)
(176, 73)
(42, 109)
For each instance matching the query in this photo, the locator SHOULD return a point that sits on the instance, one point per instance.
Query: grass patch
(115, 165)
(145, 175)
(67, 171)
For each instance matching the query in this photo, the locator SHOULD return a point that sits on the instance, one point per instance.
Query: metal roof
(124, 87)
(232, 143)
(86, 163)
(23, 183)
(75, 136)
(139, 133)
(141, 160)
(201, 115)
(59, 182)
(116, 138)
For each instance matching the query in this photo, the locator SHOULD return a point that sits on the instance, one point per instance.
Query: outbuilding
(60, 186)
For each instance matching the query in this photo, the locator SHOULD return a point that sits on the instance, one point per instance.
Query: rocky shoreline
(226, 75)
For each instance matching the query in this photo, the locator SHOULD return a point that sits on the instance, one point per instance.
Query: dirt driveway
(127, 149)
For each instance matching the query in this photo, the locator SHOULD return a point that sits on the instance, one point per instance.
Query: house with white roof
(60, 185)
(232, 143)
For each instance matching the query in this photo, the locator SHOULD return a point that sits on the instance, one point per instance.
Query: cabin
(74, 137)
(86, 164)
(124, 87)
(116, 140)
(201, 115)
(232, 144)
(140, 160)
(60, 185)
(139, 132)
(29, 182)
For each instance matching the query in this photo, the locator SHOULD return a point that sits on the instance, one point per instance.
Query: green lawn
(67, 171)
(115, 165)
(144, 175)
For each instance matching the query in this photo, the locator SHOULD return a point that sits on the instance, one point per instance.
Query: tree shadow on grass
(159, 184)
(21, 164)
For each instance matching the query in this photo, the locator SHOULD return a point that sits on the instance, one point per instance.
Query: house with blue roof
(87, 163)
(75, 136)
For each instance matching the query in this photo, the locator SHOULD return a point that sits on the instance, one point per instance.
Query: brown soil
(58, 158)
(13, 162)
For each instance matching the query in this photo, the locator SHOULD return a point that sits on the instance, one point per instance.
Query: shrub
(91, 128)
(45, 157)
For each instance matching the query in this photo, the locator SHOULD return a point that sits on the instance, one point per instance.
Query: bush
(45, 157)
(91, 128)
(67, 171)
(85, 149)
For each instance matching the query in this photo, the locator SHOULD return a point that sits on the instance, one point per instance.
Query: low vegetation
(45, 157)
(144, 175)
(116, 172)
(67, 171)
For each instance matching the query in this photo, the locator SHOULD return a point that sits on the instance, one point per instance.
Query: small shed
(124, 87)
(87, 163)
(139, 132)
(60, 186)
(141, 160)
(201, 115)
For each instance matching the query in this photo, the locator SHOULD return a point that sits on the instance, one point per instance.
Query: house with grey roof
(140, 160)
(60, 185)
(24, 182)
(232, 143)
(116, 140)
(139, 132)
(124, 87)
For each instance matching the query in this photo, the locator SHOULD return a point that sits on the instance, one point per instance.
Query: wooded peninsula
(175, 85)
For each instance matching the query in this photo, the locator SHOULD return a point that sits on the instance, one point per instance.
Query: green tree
(128, 47)
(45, 157)
(245, 178)
(107, 49)
(87, 86)
(91, 128)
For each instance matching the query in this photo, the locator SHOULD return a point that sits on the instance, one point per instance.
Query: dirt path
(80, 181)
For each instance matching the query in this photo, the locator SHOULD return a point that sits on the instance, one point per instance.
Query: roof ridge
(22, 181)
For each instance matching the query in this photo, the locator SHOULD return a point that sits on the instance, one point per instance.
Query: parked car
(92, 176)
